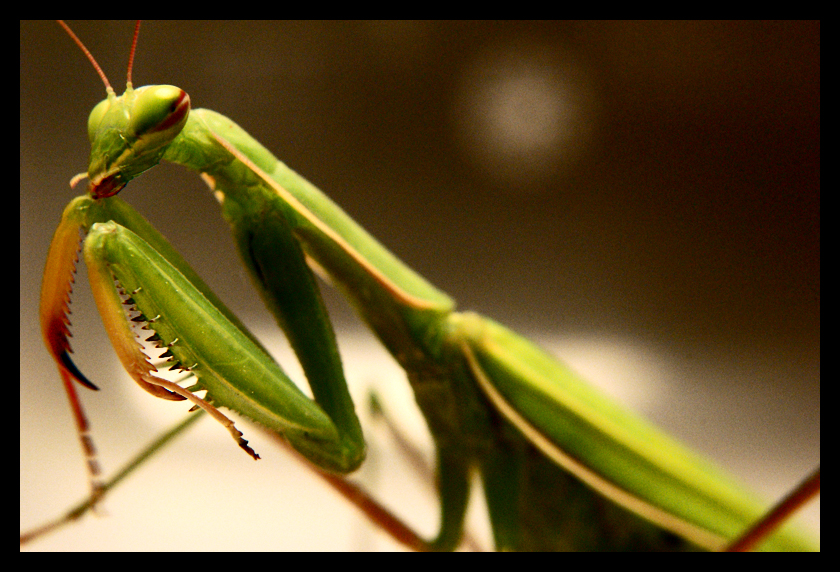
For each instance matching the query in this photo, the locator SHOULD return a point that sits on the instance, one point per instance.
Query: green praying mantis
(79, 336)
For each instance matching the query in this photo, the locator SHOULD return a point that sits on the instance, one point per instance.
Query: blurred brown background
(651, 182)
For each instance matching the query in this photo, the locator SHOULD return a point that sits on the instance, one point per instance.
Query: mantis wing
(614, 451)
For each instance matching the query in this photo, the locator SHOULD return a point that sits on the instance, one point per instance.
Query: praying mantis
(172, 200)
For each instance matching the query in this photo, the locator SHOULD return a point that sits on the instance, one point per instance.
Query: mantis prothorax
(470, 350)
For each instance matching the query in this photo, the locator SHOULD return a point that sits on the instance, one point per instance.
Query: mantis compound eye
(96, 116)
(161, 110)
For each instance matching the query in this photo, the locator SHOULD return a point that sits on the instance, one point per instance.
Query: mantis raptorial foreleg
(100, 350)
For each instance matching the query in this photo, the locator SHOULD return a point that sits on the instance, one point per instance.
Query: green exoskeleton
(551, 451)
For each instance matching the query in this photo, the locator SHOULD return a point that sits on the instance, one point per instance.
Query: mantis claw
(64, 359)
(226, 422)
(59, 276)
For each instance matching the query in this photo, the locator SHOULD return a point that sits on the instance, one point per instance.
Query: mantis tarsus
(44, 189)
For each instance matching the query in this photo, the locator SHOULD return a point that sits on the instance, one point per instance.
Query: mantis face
(130, 133)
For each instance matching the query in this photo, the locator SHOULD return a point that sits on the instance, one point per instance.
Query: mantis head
(130, 133)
